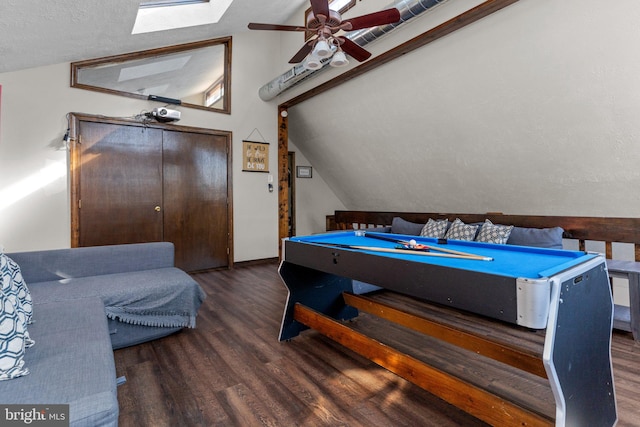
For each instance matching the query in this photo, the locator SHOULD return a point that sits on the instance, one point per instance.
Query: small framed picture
(304, 172)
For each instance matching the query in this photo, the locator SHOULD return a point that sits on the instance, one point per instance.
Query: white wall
(532, 110)
(33, 121)
(314, 199)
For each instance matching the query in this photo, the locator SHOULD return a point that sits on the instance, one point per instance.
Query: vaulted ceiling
(530, 102)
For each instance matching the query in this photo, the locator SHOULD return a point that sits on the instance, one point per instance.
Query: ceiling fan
(325, 23)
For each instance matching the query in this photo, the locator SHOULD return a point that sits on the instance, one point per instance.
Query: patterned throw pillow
(21, 290)
(15, 289)
(435, 229)
(493, 233)
(461, 231)
(11, 341)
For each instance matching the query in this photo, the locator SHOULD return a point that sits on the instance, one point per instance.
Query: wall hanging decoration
(304, 172)
(255, 155)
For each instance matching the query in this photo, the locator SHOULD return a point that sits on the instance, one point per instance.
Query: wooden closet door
(120, 191)
(195, 199)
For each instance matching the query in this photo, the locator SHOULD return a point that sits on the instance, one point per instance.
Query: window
(161, 15)
(182, 72)
(214, 93)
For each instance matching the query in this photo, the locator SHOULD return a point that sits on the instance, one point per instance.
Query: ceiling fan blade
(254, 26)
(388, 16)
(357, 52)
(302, 53)
(320, 7)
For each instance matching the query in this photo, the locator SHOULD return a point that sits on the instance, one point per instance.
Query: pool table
(565, 292)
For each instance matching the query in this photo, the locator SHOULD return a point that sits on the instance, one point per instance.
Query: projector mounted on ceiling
(163, 114)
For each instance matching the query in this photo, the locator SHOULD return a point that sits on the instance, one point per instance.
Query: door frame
(74, 167)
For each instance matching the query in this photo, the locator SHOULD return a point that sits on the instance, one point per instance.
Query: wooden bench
(604, 233)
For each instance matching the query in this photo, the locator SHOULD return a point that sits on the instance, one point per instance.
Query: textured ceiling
(35, 33)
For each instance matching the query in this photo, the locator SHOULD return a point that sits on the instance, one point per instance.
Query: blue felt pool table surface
(506, 260)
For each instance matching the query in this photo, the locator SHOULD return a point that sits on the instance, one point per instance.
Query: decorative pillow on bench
(435, 229)
(493, 233)
(461, 231)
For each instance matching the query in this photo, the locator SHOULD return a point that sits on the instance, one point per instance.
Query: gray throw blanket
(164, 297)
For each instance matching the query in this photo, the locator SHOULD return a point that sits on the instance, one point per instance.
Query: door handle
(157, 208)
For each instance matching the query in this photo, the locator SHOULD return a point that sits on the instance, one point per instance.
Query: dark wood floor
(232, 371)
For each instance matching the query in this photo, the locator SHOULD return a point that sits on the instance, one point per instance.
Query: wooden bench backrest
(582, 229)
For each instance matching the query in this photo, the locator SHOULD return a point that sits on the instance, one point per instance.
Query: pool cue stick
(407, 251)
(413, 252)
(433, 248)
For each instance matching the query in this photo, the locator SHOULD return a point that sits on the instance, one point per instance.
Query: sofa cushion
(539, 237)
(12, 341)
(401, 226)
(494, 233)
(461, 231)
(72, 363)
(435, 229)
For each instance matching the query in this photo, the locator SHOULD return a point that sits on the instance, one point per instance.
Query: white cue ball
(412, 243)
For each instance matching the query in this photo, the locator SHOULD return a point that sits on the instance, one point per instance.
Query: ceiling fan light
(312, 63)
(339, 59)
(322, 49)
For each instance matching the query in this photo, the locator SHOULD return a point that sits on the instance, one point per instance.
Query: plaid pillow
(493, 233)
(461, 231)
(435, 229)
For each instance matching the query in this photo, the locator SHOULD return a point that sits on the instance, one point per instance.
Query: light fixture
(312, 62)
(339, 59)
(322, 49)
(325, 47)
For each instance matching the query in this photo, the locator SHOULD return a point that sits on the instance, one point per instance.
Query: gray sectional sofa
(86, 302)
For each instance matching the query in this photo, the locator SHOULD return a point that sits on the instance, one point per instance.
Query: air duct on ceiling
(409, 9)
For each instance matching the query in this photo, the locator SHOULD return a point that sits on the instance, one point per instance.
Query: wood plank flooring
(232, 371)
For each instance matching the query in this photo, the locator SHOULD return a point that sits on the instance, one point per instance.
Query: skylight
(339, 5)
(159, 3)
(160, 15)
